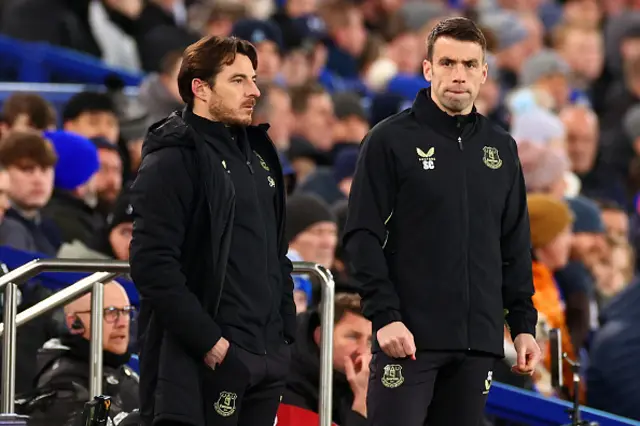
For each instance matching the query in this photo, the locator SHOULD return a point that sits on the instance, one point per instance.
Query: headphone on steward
(77, 324)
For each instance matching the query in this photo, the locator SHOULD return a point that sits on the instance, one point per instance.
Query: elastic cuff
(384, 318)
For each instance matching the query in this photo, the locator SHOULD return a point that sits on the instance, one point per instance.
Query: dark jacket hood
(172, 131)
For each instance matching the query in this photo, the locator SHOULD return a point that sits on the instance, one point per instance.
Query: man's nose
(253, 90)
(459, 73)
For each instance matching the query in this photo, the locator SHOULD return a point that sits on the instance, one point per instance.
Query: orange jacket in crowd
(548, 302)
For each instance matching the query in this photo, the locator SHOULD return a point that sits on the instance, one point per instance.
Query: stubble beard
(229, 116)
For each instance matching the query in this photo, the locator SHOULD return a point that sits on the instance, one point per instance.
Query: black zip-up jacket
(183, 207)
(438, 230)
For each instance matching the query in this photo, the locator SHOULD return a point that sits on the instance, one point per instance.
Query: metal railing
(108, 270)
(327, 316)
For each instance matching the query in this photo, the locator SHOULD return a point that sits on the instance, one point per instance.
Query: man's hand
(217, 354)
(396, 340)
(528, 354)
(358, 377)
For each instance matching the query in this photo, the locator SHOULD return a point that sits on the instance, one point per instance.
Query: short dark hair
(40, 112)
(346, 303)
(87, 102)
(27, 145)
(458, 28)
(300, 95)
(205, 58)
(263, 103)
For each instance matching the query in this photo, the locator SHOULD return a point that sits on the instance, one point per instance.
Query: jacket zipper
(466, 237)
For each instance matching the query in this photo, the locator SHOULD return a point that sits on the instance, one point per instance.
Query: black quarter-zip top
(250, 300)
(438, 231)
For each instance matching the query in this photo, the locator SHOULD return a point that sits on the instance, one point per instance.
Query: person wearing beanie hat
(266, 36)
(77, 159)
(114, 241)
(73, 205)
(551, 220)
(576, 280)
(311, 229)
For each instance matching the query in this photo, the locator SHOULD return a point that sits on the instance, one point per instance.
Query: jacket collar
(427, 112)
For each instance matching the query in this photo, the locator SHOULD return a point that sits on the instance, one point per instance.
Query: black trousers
(437, 389)
(246, 389)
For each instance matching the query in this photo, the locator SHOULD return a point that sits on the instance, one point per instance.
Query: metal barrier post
(97, 316)
(61, 298)
(23, 273)
(326, 341)
(9, 348)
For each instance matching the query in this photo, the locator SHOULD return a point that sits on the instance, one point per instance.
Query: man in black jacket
(208, 253)
(351, 356)
(62, 376)
(438, 236)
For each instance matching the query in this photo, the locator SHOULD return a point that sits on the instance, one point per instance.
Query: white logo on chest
(427, 159)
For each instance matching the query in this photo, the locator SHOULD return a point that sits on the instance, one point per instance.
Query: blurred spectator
(541, 127)
(311, 229)
(114, 240)
(91, 115)
(511, 51)
(613, 376)
(74, 200)
(597, 179)
(62, 383)
(583, 50)
(333, 184)
(615, 219)
(5, 188)
(313, 112)
(548, 73)
(489, 102)
(22, 111)
(159, 91)
(352, 124)
(267, 38)
(615, 271)
(108, 179)
(351, 356)
(216, 18)
(632, 131)
(544, 169)
(550, 221)
(576, 280)
(345, 26)
(274, 107)
(29, 159)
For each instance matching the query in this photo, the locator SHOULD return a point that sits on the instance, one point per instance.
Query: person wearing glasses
(62, 381)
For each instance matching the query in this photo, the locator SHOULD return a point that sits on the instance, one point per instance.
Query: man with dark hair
(208, 253)
(92, 115)
(30, 160)
(351, 356)
(313, 115)
(28, 111)
(438, 236)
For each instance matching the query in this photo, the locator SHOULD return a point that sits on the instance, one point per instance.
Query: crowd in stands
(563, 78)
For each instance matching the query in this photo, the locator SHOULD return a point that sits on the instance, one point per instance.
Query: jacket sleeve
(371, 205)
(287, 305)
(353, 418)
(517, 275)
(162, 195)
